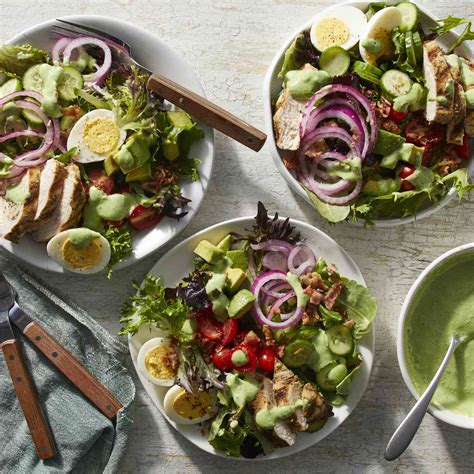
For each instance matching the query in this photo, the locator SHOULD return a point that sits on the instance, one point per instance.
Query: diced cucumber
(32, 117)
(409, 16)
(335, 61)
(12, 85)
(340, 340)
(387, 142)
(410, 48)
(70, 81)
(368, 72)
(395, 83)
(331, 375)
(32, 80)
(418, 45)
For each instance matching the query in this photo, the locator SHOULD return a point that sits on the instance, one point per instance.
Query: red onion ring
(275, 261)
(306, 265)
(274, 245)
(58, 48)
(14, 95)
(276, 305)
(272, 289)
(20, 133)
(322, 159)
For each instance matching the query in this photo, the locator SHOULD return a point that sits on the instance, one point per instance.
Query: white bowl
(153, 53)
(455, 419)
(178, 262)
(272, 87)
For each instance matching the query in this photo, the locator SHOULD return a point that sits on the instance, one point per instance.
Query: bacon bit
(317, 148)
(171, 361)
(450, 162)
(349, 324)
(251, 338)
(268, 336)
(311, 315)
(163, 176)
(316, 297)
(313, 280)
(279, 351)
(389, 125)
(290, 163)
(331, 296)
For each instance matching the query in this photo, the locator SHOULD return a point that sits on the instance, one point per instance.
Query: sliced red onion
(322, 159)
(307, 262)
(274, 245)
(56, 134)
(329, 188)
(58, 48)
(339, 200)
(273, 289)
(20, 133)
(14, 95)
(276, 305)
(102, 71)
(275, 261)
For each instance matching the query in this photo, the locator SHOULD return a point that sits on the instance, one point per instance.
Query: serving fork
(197, 106)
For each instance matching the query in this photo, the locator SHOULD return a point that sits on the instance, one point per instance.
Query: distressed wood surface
(229, 44)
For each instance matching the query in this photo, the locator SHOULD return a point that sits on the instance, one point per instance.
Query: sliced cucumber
(335, 61)
(395, 83)
(340, 340)
(409, 16)
(298, 353)
(410, 48)
(331, 375)
(368, 72)
(32, 117)
(32, 79)
(70, 81)
(12, 85)
(418, 45)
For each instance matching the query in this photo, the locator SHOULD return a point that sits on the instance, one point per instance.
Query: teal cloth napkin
(87, 441)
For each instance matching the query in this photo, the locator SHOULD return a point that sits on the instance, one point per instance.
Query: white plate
(178, 262)
(156, 56)
(272, 87)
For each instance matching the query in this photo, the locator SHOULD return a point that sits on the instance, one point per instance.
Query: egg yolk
(101, 135)
(331, 32)
(157, 362)
(82, 257)
(192, 406)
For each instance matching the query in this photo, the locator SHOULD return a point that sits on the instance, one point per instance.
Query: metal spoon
(402, 437)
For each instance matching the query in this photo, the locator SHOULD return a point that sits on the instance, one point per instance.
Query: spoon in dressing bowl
(407, 429)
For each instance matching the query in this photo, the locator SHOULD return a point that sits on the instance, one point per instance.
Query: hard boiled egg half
(340, 26)
(80, 250)
(158, 361)
(96, 136)
(185, 408)
(379, 33)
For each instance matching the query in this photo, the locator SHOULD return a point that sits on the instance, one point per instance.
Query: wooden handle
(207, 112)
(28, 398)
(71, 368)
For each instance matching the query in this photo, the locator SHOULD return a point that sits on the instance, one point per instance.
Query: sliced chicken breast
(317, 408)
(18, 206)
(455, 128)
(287, 120)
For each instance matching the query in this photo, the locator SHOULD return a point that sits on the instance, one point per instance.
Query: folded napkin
(87, 441)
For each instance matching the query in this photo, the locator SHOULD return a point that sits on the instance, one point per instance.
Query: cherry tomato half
(266, 359)
(208, 326)
(463, 150)
(407, 170)
(251, 365)
(398, 116)
(229, 330)
(406, 186)
(222, 359)
(101, 181)
(144, 217)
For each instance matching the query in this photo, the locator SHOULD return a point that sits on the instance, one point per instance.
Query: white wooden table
(229, 43)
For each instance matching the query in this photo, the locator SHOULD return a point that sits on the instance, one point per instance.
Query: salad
(374, 116)
(258, 343)
(87, 155)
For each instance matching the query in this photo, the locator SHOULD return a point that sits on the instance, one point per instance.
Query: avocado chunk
(238, 259)
(235, 278)
(387, 142)
(139, 174)
(110, 166)
(209, 252)
(407, 152)
(170, 150)
(240, 303)
(225, 243)
(381, 187)
(134, 153)
(180, 119)
(219, 307)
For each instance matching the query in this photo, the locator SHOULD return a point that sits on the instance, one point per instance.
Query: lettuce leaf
(360, 305)
(459, 181)
(331, 213)
(15, 59)
(300, 52)
(344, 386)
(447, 24)
(120, 241)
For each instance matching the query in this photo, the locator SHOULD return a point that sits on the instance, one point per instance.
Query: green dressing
(412, 101)
(267, 418)
(303, 83)
(244, 390)
(239, 358)
(469, 98)
(350, 170)
(81, 237)
(443, 306)
(17, 194)
(467, 73)
(372, 45)
(51, 76)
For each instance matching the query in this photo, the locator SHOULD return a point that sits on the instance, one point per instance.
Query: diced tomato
(407, 170)
(208, 326)
(406, 186)
(397, 116)
(229, 330)
(243, 338)
(101, 181)
(266, 359)
(463, 150)
(421, 132)
(251, 365)
(222, 359)
(144, 217)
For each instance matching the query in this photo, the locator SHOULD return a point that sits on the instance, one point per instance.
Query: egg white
(54, 250)
(388, 18)
(76, 137)
(354, 19)
(147, 347)
(168, 402)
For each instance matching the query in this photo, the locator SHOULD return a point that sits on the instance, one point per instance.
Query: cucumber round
(409, 13)
(335, 61)
(32, 80)
(340, 341)
(410, 48)
(12, 85)
(330, 376)
(298, 353)
(367, 71)
(32, 117)
(395, 83)
(70, 81)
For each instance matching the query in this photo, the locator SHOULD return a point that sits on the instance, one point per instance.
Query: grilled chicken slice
(455, 128)
(287, 389)
(440, 83)
(317, 408)
(287, 120)
(68, 211)
(265, 399)
(466, 67)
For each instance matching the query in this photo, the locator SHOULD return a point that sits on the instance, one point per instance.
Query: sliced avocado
(225, 243)
(110, 166)
(407, 152)
(387, 142)
(134, 153)
(219, 307)
(180, 119)
(381, 187)
(238, 259)
(139, 174)
(209, 252)
(235, 278)
(240, 303)
(170, 150)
